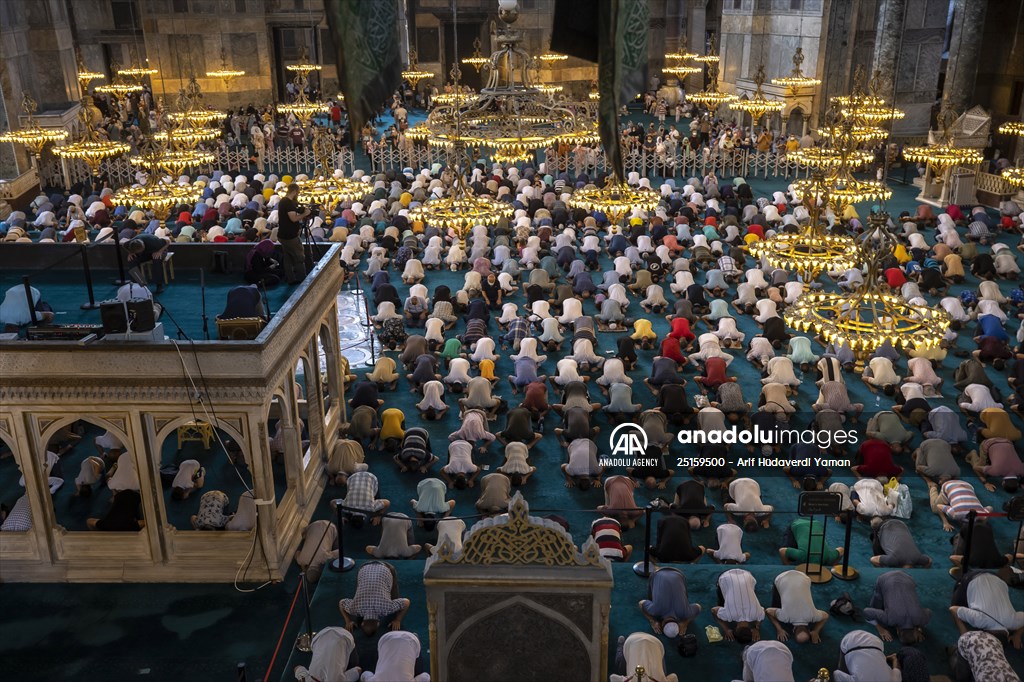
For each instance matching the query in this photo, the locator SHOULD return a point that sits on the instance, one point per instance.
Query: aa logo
(628, 439)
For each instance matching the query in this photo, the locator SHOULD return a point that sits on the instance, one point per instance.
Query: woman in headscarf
(123, 475)
(243, 302)
(260, 265)
(396, 539)
(432, 406)
(244, 518)
(15, 312)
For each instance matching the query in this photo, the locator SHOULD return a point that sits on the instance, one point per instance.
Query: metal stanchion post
(91, 305)
(965, 563)
(342, 563)
(846, 572)
(643, 568)
(121, 280)
(240, 676)
(304, 642)
(31, 303)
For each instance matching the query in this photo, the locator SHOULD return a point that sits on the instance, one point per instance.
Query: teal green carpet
(113, 632)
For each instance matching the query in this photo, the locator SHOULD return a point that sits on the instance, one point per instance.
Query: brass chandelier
(326, 188)
(945, 153)
(92, 147)
(118, 88)
(676, 62)
(758, 105)
(1014, 176)
(813, 249)
(711, 97)
(414, 74)
(868, 317)
(616, 199)
(1012, 128)
(796, 80)
(511, 116)
(224, 73)
(31, 135)
(478, 60)
(302, 108)
(84, 75)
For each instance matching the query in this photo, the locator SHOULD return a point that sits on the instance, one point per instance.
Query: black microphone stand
(202, 289)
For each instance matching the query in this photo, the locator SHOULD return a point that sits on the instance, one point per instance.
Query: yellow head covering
(487, 369)
(406, 199)
(901, 254)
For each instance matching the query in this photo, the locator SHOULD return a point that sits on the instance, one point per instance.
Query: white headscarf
(245, 518)
(125, 477)
(332, 646)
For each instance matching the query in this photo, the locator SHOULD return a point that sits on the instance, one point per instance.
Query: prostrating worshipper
(415, 452)
(191, 476)
(124, 515)
(674, 543)
(14, 310)
(984, 658)
(430, 503)
(984, 550)
(242, 301)
(474, 430)
(738, 611)
(332, 648)
(954, 501)
(640, 650)
(895, 604)
(495, 493)
(862, 659)
(396, 540)
(997, 458)
(91, 473)
(375, 600)
(934, 461)
(744, 496)
(519, 428)
(793, 605)
(123, 475)
(870, 499)
(691, 503)
(319, 540)
(668, 607)
(619, 502)
(981, 600)
(767, 661)
(581, 468)
(460, 472)
(361, 501)
(398, 654)
(213, 511)
(894, 545)
(804, 541)
(875, 460)
(607, 533)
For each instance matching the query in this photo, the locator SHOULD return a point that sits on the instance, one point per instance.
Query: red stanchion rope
(273, 659)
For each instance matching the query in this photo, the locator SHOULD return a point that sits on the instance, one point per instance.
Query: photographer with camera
(290, 219)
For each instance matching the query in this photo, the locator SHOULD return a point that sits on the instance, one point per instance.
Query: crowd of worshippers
(525, 284)
(113, 467)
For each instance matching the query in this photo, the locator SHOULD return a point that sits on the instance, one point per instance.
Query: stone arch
(470, 658)
(795, 121)
(56, 425)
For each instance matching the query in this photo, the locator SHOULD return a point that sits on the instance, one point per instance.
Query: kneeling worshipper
(668, 606)
(895, 604)
(862, 659)
(396, 540)
(398, 652)
(375, 599)
(640, 650)
(675, 543)
(981, 600)
(793, 605)
(738, 613)
(894, 546)
(985, 658)
(123, 515)
(243, 301)
(767, 661)
(332, 649)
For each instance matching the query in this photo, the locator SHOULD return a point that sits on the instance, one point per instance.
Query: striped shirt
(608, 534)
(961, 500)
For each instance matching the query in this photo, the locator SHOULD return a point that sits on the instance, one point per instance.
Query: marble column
(887, 43)
(964, 53)
(696, 27)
